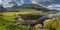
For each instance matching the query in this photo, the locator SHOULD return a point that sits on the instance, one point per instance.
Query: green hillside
(25, 7)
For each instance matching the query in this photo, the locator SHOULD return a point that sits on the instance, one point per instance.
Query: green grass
(54, 24)
(8, 22)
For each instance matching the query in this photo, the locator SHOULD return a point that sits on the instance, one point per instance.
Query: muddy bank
(30, 17)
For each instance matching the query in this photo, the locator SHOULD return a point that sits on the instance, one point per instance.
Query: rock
(46, 21)
(38, 26)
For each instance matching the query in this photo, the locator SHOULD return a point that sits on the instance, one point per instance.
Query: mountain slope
(2, 9)
(26, 7)
(50, 4)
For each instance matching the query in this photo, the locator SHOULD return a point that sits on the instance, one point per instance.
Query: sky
(50, 4)
(11, 3)
(28, 2)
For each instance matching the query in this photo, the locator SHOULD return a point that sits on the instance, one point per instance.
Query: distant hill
(13, 9)
(35, 6)
(32, 6)
(26, 7)
(2, 9)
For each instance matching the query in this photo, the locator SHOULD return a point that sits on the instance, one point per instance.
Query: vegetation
(8, 22)
(24, 7)
(52, 24)
(2, 9)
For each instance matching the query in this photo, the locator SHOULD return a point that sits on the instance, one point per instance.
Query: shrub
(52, 24)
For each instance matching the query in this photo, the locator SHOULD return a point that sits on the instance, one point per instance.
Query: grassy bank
(8, 22)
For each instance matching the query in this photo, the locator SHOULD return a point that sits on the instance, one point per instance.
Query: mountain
(13, 9)
(31, 6)
(25, 7)
(11, 3)
(43, 3)
(50, 4)
(2, 9)
(28, 7)
(36, 7)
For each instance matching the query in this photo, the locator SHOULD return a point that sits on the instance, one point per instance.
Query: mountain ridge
(26, 7)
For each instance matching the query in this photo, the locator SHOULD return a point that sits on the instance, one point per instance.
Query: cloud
(11, 3)
(50, 4)
(34, 1)
(41, 2)
(0, 2)
(54, 6)
(7, 3)
(19, 2)
(22, 1)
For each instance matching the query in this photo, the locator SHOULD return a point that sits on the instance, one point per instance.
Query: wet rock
(38, 26)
